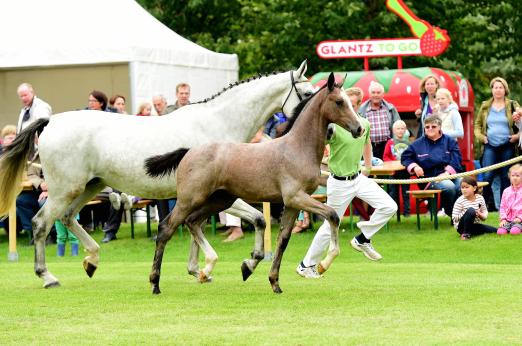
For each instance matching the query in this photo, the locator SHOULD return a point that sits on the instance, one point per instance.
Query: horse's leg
(166, 229)
(245, 211)
(303, 201)
(193, 267)
(216, 202)
(42, 223)
(287, 222)
(90, 262)
(195, 222)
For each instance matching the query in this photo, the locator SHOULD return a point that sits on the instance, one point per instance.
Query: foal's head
(337, 108)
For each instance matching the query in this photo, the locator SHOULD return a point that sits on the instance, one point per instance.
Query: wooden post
(268, 232)
(399, 62)
(12, 255)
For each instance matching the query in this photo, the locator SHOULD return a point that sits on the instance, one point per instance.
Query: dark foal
(211, 177)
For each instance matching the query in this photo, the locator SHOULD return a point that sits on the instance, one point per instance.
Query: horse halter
(290, 92)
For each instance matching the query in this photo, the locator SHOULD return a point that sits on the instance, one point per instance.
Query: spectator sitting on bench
(432, 155)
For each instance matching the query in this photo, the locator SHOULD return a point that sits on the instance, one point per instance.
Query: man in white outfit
(33, 107)
(344, 183)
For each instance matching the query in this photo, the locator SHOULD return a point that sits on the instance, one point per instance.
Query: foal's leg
(245, 211)
(303, 201)
(165, 231)
(287, 222)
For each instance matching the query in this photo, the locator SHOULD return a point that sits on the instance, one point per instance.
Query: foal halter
(290, 92)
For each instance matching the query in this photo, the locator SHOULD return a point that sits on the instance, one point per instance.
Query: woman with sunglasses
(432, 155)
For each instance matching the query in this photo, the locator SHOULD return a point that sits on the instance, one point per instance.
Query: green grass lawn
(430, 288)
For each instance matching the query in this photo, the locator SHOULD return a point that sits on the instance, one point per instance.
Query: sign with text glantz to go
(368, 48)
(428, 40)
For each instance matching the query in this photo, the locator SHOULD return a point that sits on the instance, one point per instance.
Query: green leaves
(273, 35)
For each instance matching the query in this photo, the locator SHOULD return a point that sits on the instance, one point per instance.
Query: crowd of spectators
(107, 216)
(434, 153)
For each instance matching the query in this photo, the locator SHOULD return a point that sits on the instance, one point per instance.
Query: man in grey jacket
(381, 115)
(33, 107)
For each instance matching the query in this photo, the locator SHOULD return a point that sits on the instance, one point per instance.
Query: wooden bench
(432, 197)
(140, 205)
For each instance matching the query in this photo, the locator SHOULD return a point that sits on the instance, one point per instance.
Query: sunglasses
(427, 127)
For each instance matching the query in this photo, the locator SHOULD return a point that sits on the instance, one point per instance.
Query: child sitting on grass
(510, 212)
(469, 210)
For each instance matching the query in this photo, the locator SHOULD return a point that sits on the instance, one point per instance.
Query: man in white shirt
(33, 107)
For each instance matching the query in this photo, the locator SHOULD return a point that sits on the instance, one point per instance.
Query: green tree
(272, 35)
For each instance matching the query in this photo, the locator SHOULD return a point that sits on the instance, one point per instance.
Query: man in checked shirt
(381, 115)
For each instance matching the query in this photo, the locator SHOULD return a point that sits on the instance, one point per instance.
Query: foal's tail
(161, 165)
(13, 161)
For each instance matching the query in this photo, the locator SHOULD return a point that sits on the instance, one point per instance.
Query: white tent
(67, 48)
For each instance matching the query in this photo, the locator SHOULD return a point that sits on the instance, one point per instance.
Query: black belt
(349, 177)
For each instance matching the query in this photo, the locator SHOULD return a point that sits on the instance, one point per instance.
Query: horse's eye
(308, 94)
(339, 102)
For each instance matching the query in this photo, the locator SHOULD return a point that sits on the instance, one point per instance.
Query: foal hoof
(320, 269)
(52, 284)
(275, 285)
(245, 270)
(89, 268)
(156, 290)
(277, 289)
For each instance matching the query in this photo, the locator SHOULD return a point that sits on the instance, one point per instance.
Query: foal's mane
(231, 85)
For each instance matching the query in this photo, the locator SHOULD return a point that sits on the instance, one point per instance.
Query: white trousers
(339, 195)
(229, 220)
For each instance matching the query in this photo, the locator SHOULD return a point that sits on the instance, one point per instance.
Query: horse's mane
(231, 85)
(298, 110)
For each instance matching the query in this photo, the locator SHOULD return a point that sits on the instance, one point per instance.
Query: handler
(344, 183)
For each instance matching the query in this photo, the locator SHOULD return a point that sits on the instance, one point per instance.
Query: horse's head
(298, 89)
(338, 109)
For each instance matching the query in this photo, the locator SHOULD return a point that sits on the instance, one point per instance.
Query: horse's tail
(161, 165)
(13, 161)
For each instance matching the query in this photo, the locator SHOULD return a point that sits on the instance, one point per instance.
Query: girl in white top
(469, 210)
(448, 111)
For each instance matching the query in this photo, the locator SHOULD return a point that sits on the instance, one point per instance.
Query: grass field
(430, 289)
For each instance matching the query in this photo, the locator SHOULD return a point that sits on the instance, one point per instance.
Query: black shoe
(109, 236)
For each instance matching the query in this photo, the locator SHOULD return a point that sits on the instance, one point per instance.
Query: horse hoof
(52, 284)
(320, 269)
(245, 270)
(89, 268)
(156, 290)
(202, 278)
(277, 289)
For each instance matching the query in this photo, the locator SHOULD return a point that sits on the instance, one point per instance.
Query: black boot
(109, 236)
